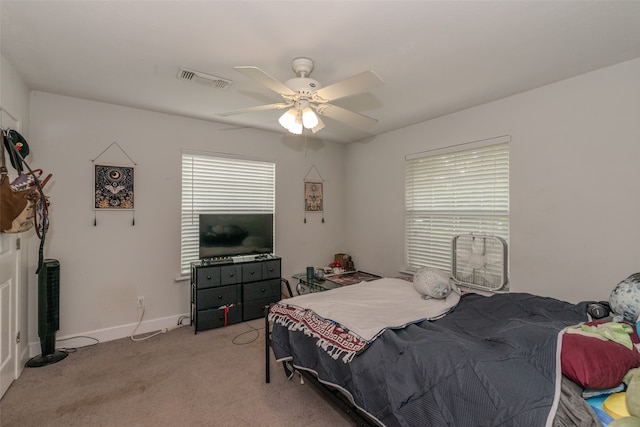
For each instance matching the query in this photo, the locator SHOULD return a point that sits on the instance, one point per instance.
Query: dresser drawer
(267, 289)
(230, 274)
(271, 269)
(252, 272)
(207, 277)
(207, 319)
(218, 296)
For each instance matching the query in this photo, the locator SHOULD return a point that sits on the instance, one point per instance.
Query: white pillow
(432, 283)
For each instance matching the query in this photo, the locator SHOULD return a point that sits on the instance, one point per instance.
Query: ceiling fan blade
(357, 84)
(260, 76)
(345, 116)
(278, 106)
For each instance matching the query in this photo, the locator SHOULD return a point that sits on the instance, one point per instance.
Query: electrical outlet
(140, 302)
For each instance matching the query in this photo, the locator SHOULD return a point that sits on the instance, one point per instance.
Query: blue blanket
(493, 361)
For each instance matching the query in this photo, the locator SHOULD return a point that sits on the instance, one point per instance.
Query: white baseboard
(84, 339)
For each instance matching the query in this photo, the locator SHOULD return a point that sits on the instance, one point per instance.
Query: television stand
(234, 290)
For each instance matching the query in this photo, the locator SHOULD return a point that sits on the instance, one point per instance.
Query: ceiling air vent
(203, 79)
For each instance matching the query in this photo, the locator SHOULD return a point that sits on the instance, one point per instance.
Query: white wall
(105, 267)
(14, 93)
(574, 180)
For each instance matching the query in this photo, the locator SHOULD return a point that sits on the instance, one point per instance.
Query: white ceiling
(436, 57)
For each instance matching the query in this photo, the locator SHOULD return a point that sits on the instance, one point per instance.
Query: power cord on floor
(152, 334)
(256, 330)
(180, 324)
(74, 349)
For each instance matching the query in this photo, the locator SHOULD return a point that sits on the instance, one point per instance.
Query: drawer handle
(253, 272)
(208, 277)
(263, 290)
(231, 275)
(219, 296)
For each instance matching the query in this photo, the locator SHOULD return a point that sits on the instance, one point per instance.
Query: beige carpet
(214, 378)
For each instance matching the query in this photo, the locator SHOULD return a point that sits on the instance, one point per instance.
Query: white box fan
(479, 261)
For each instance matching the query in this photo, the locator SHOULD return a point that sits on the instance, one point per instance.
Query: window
(213, 183)
(460, 190)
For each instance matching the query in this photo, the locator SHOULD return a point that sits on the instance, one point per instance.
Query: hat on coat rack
(18, 141)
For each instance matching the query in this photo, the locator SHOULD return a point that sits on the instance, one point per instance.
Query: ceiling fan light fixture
(309, 118)
(296, 127)
(288, 118)
(319, 126)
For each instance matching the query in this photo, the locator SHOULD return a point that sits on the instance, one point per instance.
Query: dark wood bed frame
(333, 395)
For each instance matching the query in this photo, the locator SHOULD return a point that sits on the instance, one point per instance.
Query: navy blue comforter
(490, 362)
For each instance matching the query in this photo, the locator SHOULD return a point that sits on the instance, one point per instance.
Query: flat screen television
(227, 235)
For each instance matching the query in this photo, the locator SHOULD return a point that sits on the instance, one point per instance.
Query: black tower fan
(48, 314)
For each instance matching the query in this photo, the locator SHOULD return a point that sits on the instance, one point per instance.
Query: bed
(479, 361)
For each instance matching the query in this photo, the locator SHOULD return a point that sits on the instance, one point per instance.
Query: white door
(9, 276)
(9, 257)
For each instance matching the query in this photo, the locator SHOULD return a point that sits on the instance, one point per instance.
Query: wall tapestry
(114, 187)
(313, 194)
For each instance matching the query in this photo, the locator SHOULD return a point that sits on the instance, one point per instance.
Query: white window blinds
(217, 184)
(449, 192)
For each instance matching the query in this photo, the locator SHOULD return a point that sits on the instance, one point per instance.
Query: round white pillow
(432, 282)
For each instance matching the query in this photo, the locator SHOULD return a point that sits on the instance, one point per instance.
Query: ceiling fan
(305, 99)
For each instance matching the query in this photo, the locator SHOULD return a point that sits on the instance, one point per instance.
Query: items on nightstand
(336, 268)
(331, 281)
(349, 265)
(343, 261)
